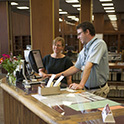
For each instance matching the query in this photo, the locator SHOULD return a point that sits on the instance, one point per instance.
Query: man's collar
(90, 42)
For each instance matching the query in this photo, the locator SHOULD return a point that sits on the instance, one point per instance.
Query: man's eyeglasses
(79, 33)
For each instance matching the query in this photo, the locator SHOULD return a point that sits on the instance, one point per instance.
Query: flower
(10, 62)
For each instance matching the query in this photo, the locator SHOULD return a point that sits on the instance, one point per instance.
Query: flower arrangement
(10, 63)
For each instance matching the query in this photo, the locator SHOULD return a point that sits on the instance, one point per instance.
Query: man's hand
(76, 86)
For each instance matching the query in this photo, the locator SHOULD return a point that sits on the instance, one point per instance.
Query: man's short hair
(87, 25)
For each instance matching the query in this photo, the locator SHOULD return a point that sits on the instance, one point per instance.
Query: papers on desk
(50, 82)
(57, 83)
(62, 99)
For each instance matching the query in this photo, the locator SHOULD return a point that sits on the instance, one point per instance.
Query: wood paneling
(4, 29)
(85, 14)
(20, 24)
(17, 113)
(86, 10)
(1, 107)
(42, 25)
(99, 23)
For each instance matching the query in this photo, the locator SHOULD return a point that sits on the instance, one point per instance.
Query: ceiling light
(73, 17)
(78, 9)
(107, 4)
(92, 17)
(60, 9)
(72, 1)
(106, 8)
(23, 7)
(107, 11)
(60, 19)
(105, 0)
(14, 3)
(69, 23)
(114, 24)
(76, 5)
(63, 12)
(77, 19)
(112, 17)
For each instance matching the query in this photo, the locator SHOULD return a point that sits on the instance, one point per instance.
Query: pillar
(4, 28)
(44, 20)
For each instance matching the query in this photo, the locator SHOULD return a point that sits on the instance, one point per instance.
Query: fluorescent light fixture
(105, 0)
(63, 12)
(23, 7)
(114, 24)
(60, 9)
(112, 17)
(76, 5)
(78, 9)
(60, 19)
(69, 23)
(14, 3)
(72, 1)
(107, 11)
(93, 17)
(106, 8)
(77, 19)
(107, 4)
(72, 17)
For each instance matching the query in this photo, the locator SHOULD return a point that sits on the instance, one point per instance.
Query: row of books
(116, 76)
(116, 93)
(113, 76)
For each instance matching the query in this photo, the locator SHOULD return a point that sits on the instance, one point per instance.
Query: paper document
(57, 83)
(49, 84)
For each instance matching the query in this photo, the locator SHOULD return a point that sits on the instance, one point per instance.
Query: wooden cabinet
(19, 44)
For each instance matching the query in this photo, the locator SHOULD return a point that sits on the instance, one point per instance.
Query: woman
(57, 62)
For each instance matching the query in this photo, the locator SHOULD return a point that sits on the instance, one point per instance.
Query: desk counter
(22, 108)
(116, 65)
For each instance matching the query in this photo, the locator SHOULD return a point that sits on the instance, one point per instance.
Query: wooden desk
(20, 108)
(115, 66)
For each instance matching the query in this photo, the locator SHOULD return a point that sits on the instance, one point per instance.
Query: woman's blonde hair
(59, 39)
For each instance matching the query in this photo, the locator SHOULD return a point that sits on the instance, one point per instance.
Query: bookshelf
(116, 81)
(19, 44)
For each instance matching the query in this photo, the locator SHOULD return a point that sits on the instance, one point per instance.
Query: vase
(12, 79)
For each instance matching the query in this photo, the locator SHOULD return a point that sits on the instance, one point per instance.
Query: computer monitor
(35, 60)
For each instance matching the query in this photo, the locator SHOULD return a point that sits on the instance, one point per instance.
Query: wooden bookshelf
(19, 44)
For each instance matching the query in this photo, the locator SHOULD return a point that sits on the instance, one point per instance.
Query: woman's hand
(42, 73)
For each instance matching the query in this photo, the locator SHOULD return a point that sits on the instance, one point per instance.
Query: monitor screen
(35, 60)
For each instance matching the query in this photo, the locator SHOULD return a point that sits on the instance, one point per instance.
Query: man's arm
(72, 70)
(85, 77)
(69, 80)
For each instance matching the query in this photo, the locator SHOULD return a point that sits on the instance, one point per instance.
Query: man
(92, 61)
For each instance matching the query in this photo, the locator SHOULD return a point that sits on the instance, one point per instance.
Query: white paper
(58, 81)
(50, 80)
(70, 90)
(39, 97)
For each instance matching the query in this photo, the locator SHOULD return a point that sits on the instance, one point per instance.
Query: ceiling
(97, 7)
